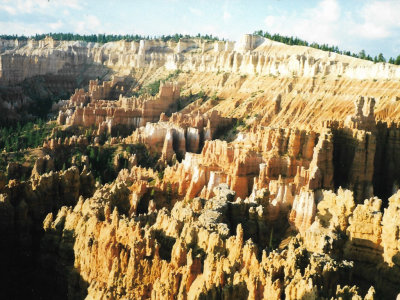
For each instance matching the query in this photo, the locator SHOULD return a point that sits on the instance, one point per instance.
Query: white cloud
(369, 30)
(46, 7)
(328, 23)
(57, 25)
(20, 28)
(380, 19)
(316, 24)
(382, 12)
(214, 30)
(74, 4)
(90, 24)
(196, 11)
(354, 26)
(227, 16)
(327, 11)
(270, 21)
(30, 6)
(7, 8)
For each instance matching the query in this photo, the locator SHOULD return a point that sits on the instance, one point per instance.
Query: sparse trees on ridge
(105, 38)
(325, 47)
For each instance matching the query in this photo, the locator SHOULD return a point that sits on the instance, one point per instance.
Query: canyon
(255, 170)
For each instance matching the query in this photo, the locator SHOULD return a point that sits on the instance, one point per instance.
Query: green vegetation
(101, 159)
(169, 193)
(105, 38)
(17, 157)
(177, 36)
(188, 99)
(101, 163)
(145, 159)
(154, 87)
(19, 137)
(229, 134)
(239, 122)
(214, 97)
(325, 47)
(36, 88)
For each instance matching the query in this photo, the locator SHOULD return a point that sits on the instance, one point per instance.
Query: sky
(372, 25)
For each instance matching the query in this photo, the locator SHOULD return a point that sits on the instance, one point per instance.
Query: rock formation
(91, 110)
(250, 55)
(179, 133)
(23, 207)
(258, 171)
(189, 251)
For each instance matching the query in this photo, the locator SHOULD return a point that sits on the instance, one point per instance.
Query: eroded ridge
(202, 170)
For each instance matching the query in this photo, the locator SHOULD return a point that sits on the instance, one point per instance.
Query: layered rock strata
(181, 133)
(91, 110)
(294, 204)
(250, 55)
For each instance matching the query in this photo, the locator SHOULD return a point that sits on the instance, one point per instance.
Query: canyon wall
(271, 172)
(251, 55)
(300, 77)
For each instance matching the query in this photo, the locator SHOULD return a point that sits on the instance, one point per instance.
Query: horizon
(351, 25)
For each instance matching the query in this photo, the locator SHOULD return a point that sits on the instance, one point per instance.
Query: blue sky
(373, 25)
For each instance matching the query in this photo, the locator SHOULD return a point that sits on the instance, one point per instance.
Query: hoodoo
(197, 169)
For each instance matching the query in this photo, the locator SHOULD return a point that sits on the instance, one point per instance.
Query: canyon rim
(189, 167)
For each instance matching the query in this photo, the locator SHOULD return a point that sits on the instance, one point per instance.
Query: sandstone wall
(253, 55)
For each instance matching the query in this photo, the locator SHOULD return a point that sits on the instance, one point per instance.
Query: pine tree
(381, 58)
(92, 154)
(362, 54)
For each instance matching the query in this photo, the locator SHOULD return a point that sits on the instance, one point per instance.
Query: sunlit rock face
(90, 109)
(250, 55)
(264, 171)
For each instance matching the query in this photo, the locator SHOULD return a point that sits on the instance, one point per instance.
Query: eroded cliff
(254, 170)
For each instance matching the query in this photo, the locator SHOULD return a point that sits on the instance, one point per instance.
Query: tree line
(325, 47)
(105, 38)
(29, 135)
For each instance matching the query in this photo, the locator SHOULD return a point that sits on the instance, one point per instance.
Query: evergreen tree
(381, 58)
(362, 54)
(92, 154)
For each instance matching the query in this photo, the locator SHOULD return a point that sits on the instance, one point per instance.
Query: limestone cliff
(256, 171)
(250, 55)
